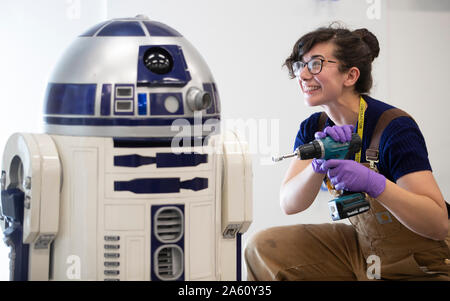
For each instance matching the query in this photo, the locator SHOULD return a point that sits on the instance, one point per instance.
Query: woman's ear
(352, 77)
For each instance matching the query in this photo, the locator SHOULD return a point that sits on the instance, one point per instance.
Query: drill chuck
(311, 150)
(327, 148)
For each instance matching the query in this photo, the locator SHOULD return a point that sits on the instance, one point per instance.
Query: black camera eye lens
(158, 60)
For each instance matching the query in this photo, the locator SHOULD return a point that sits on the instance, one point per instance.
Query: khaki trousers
(338, 252)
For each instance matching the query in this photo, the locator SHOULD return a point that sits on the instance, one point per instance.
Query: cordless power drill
(346, 203)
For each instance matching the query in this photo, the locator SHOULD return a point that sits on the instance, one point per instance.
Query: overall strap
(372, 152)
(322, 120)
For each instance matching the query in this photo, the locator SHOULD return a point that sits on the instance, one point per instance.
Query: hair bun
(370, 39)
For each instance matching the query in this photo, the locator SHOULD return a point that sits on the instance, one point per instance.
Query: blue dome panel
(178, 76)
(91, 31)
(122, 28)
(158, 29)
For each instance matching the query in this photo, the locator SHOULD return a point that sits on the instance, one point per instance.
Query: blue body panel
(157, 104)
(142, 104)
(149, 142)
(70, 99)
(121, 121)
(105, 105)
(160, 185)
(162, 160)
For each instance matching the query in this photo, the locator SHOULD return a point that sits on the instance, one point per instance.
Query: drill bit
(280, 158)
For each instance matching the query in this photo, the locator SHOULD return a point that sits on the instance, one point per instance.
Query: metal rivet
(3, 180)
(27, 183)
(27, 202)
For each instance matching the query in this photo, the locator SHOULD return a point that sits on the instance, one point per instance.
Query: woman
(405, 229)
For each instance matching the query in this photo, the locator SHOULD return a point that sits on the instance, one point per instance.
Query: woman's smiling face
(326, 86)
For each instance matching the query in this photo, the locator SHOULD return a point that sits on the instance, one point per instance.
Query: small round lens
(315, 66)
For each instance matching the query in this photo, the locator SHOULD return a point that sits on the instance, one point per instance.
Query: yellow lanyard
(360, 129)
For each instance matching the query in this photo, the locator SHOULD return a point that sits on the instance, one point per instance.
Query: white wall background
(245, 44)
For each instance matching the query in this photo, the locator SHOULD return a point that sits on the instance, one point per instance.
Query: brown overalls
(376, 246)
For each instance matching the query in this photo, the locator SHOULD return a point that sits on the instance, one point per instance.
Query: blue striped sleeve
(307, 129)
(403, 149)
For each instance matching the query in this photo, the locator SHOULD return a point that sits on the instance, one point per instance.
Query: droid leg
(235, 170)
(30, 203)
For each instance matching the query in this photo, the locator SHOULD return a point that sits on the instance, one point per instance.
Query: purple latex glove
(352, 176)
(317, 166)
(338, 133)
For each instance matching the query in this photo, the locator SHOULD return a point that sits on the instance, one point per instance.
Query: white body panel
(91, 212)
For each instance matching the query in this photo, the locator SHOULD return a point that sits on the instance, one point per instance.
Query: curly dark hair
(356, 48)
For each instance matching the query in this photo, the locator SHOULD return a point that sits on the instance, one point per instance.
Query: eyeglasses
(314, 66)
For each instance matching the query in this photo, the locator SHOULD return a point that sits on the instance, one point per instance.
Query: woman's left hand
(339, 133)
(352, 176)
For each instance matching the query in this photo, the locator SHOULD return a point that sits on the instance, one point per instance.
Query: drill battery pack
(348, 205)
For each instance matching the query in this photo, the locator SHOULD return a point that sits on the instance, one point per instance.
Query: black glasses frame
(298, 66)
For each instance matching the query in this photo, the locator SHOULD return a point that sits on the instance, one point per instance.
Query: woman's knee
(260, 242)
(259, 255)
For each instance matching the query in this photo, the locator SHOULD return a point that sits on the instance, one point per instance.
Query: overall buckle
(372, 158)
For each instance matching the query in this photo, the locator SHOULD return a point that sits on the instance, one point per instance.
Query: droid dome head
(130, 77)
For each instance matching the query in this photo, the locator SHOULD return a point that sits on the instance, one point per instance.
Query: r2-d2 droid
(131, 180)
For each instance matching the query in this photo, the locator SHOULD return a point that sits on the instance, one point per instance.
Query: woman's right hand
(317, 166)
(337, 133)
